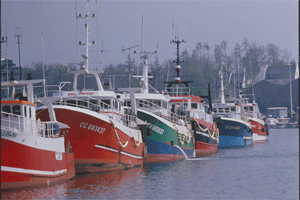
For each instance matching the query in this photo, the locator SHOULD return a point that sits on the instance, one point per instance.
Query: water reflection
(103, 185)
(50, 192)
(265, 170)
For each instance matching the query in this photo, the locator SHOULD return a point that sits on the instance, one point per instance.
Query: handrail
(99, 107)
(13, 122)
(160, 111)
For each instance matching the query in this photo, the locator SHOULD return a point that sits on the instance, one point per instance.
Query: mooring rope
(116, 133)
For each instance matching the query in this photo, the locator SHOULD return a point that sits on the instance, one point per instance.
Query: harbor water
(264, 170)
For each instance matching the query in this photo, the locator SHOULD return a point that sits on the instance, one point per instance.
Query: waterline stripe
(115, 150)
(31, 171)
(106, 148)
(131, 155)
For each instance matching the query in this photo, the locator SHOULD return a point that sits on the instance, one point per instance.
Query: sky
(121, 25)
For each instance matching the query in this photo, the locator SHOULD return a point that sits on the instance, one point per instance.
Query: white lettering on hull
(92, 127)
(156, 129)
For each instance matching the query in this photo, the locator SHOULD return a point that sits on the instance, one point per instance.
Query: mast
(178, 61)
(6, 57)
(145, 77)
(85, 66)
(19, 41)
(222, 96)
(86, 43)
(291, 100)
(177, 67)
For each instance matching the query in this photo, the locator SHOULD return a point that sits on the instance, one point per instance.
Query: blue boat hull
(166, 152)
(234, 134)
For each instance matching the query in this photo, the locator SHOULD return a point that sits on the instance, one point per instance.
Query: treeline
(201, 67)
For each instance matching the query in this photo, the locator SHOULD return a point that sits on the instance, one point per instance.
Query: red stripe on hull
(84, 140)
(31, 163)
(153, 158)
(204, 149)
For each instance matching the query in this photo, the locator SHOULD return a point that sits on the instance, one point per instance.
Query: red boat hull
(205, 144)
(26, 166)
(204, 149)
(96, 142)
(260, 131)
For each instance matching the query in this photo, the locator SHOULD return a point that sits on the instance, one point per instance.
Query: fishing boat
(33, 153)
(235, 129)
(204, 128)
(102, 135)
(259, 128)
(168, 136)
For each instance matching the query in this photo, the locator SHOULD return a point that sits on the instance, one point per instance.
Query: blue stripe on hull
(232, 133)
(154, 147)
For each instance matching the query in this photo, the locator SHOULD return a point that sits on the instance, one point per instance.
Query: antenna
(18, 36)
(2, 41)
(129, 62)
(142, 35)
(145, 76)
(102, 51)
(172, 25)
(177, 67)
(85, 55)
(43, 51)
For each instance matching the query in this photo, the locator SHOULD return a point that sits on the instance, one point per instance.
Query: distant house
(272, 87)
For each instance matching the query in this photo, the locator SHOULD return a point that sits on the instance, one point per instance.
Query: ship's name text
(92, 127)
(232, 127)
(156, 129)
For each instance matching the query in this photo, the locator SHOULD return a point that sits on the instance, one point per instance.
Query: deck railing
(98, 106)
(233, 115)
(160, 111)
(18, 123)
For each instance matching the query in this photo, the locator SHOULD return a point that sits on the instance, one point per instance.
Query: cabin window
(165, 105)
(246, 108)
(251, 108)
(128, 103)
(206, 108)
(220, 110)
(194, 105)
(105, 103)
(227, 110)
(157, 102)
(233, 109)
(30, 112)
(93, 104)
(82, 103)
(71, 103)
(140, 104)
(116, 105)
(25, 113)
(16, 110)
(214, 110)
(7, 109)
